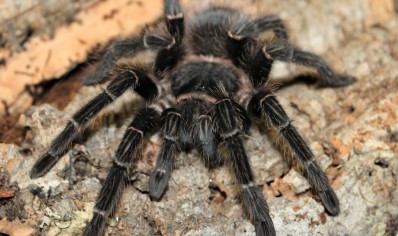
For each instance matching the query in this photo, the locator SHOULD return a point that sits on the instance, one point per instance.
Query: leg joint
(120, 164)
(136, 130)
(111, 95)
(74, 122)
(100, 212)
(281, 128)
(248, 185)
(175, 17)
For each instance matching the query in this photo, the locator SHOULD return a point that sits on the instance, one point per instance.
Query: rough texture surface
(44, 58)
(21, 19)
(353, 132)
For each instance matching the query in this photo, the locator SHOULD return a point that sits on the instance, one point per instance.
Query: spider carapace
(206, 83)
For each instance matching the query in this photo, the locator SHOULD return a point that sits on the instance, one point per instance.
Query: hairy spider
(206, 83)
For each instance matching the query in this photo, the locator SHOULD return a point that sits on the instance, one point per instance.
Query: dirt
(10, 132)
(21, 20)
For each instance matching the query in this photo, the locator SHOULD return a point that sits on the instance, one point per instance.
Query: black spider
(208, 80)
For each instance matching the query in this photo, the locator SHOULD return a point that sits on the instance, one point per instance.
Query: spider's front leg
(143, 124)
(229, 126)
(265, 105)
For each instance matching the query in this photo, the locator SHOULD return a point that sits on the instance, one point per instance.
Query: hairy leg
(142, 126)
(230, 127)
(287, 53)
(264, 104)
(169, 56)
(174, 18)
(124, 77)
(116, 50)
(242, 38)
(252, 28)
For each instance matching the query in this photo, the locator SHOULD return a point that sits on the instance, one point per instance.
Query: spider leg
(287, 53)
(116, 50)
(242, 37)
(252, 28)
(172, 123)
(125, 48)
(124, 77)
(252, 197)
(143, 124)
(229, 127)
(174, 18)
(265, 104)
(259, 69)
(168, 57)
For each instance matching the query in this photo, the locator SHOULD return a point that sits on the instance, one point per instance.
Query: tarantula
(207, 81)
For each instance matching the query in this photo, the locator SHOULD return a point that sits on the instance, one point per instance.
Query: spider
(206, 83)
